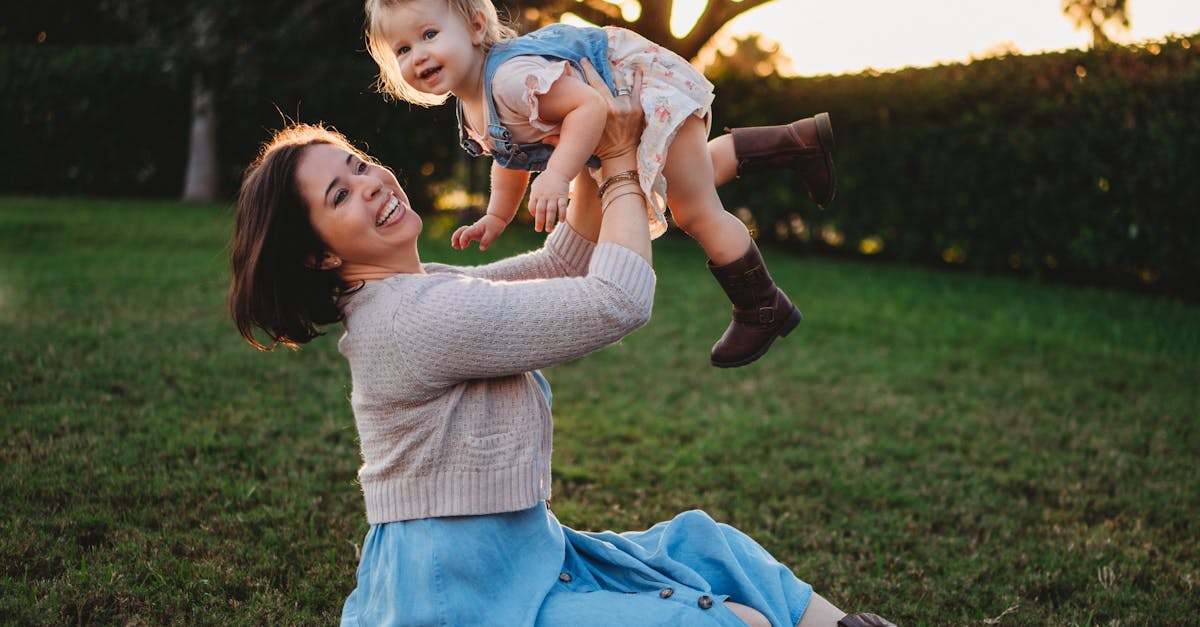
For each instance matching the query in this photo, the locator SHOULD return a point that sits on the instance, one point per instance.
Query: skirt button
(704, 602)
(665, 593)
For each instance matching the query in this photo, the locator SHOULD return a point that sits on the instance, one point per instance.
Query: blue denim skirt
(524, 568)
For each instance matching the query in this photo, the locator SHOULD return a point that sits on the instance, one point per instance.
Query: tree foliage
(749, 57)
(1095, 15)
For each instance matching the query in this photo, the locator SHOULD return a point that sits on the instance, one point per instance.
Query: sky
(840, 36)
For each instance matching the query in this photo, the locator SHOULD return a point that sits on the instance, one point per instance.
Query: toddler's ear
(478, 25)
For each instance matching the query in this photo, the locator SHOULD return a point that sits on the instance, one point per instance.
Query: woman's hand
(623, 127)
(627, 224)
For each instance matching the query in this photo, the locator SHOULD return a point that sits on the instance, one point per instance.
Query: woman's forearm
(623, 205)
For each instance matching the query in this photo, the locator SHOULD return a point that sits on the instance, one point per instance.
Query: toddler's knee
(691, 213)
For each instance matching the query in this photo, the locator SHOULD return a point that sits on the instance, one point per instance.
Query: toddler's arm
(581, 112)
(508, 187)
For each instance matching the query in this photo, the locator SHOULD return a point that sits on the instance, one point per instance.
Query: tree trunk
(200, 180)
(1100, 38)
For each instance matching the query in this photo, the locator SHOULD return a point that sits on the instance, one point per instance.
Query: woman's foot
(864, 620)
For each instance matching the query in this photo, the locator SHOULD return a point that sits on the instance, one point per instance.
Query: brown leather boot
(761, 311)
(805, 145)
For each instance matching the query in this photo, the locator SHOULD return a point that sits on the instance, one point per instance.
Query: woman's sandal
(864, 620)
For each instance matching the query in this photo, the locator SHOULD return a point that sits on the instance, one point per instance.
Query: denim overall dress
(557, 41)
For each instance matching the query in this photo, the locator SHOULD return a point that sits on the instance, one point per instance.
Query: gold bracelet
(619, 184)
(627, 175)
(629, 193)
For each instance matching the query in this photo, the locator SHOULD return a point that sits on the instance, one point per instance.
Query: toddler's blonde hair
(390, 83)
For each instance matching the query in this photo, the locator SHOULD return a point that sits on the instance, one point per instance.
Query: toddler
(524, 102)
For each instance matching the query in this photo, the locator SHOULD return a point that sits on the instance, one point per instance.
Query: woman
(452, 414)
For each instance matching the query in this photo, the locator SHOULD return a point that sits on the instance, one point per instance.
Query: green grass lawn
(935, 447)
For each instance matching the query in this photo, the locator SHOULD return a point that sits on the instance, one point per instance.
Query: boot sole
(825, 131)
(789, 324)
(825, 136)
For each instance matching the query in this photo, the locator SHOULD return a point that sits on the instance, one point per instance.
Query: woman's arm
(449, 328)
(620, 217)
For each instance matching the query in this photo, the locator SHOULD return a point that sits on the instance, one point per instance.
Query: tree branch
(655, 12)
(716, 15)
(596, 11)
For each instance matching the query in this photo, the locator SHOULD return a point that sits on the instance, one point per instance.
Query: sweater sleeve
(565, 253)
(457, 328)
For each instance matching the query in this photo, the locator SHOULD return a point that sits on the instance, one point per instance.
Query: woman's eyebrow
(337, 178)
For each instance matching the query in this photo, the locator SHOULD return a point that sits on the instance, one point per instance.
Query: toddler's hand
(485, 230)
(548, 200)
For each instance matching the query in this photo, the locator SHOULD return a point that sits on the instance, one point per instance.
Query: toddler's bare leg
(724, 159)
(693, 198)
(761, 311)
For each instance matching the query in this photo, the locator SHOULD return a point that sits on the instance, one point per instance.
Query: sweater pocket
(499, 450)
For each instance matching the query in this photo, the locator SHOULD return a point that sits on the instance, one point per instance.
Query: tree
(1096, 14)
(222, 46)
(653, 21)
(748, 58)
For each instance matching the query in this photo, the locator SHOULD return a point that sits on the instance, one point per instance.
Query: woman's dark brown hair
(275, 285)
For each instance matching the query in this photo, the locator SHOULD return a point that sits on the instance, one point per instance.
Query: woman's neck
(355, 272)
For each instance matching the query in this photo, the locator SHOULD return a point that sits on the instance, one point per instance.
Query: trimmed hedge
(113, 120)
(108, 120)
(1074, 165)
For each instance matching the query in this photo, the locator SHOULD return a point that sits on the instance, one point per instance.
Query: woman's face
(360, 212)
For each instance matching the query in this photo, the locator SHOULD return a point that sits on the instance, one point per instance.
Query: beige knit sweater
(450, 420)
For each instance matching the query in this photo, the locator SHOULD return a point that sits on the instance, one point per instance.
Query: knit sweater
(450, 419)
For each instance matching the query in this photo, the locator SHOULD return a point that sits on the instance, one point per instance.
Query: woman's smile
(393, 211)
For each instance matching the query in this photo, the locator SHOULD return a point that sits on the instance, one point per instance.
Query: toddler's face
(438, 51)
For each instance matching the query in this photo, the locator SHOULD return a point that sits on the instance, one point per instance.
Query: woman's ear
(328, 261)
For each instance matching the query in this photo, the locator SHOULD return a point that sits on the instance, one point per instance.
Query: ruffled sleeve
(516, 87)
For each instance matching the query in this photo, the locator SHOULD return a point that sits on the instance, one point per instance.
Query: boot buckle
(766, 315)
(754, 276)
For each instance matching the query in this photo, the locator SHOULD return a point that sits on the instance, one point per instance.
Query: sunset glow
(852, 35)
